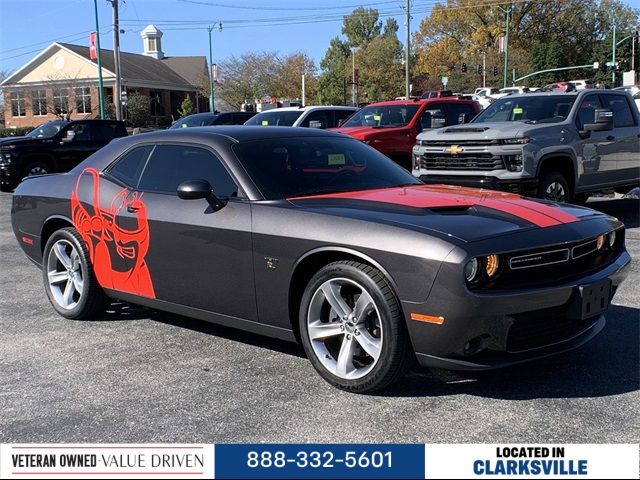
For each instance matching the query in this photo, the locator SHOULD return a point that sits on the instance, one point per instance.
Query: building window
(39, 102)
(17, 104)
(61, 101)
(153, 44)
(83, 100)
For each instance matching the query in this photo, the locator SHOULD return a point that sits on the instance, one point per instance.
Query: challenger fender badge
(272, 263)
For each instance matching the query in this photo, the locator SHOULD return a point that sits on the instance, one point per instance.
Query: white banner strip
(532, 461)
(106, 461)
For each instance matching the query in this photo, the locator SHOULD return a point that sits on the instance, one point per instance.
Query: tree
(138, 110)
(361, 26)
(186, 107)
(332, 83)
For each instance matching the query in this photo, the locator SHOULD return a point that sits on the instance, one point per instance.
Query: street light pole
(353, 77)
(100, 86)
(613, 59)
(406, 53)
(507, 12)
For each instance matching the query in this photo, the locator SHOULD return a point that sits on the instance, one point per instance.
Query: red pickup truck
(391, 127)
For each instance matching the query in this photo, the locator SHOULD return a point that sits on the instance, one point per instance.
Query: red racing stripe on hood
(440, 196)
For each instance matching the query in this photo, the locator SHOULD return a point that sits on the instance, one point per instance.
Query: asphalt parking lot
(143, 376)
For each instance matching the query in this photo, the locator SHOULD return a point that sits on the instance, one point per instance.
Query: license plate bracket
(593, 299)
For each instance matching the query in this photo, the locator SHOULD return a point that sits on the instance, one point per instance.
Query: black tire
(581, 198)
(548, 191)
(396, 354)
(92, 300)
(35, 168)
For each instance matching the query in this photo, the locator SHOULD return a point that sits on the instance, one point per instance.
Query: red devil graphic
(117, 253)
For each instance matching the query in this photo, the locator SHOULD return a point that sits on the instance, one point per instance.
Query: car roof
(236, 133)
(311, 107)
(420, 101)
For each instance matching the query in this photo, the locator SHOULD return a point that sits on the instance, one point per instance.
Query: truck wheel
(554, 187)
(36, 168)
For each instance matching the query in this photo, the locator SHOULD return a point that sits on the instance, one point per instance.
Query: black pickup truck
(53, 147)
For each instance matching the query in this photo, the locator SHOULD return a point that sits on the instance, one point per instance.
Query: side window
(454, 110)
(432, 111)
(341, 115)
(170, 165)
(587, 110)
(105, 132)
(81, 132)
(622, 116)
(317, 119)
(127, 169)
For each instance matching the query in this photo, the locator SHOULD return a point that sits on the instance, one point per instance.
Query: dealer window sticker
(336, 159)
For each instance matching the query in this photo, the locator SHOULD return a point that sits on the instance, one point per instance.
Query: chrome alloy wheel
(344, 328)
(555, 192)
(65, 275)
(37, 170)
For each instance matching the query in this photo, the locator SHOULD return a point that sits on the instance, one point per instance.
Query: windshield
(46, 130)
(528, 109)
(273, 118)
(383, 116)
(299, 166)
(193, 121)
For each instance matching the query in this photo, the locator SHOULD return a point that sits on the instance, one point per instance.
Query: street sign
(445, 80)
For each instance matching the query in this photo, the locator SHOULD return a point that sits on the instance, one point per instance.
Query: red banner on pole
(93, 53)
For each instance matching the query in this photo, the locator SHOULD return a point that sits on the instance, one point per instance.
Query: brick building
(62, 81)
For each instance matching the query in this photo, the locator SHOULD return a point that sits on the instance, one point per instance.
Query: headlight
(491, 265)
(611, 238)
(471, 269)
(516, 141)
(600, 242)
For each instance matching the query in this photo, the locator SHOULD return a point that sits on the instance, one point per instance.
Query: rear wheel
(352, 328)
(68, 276)
(554, 187)
(36, 168)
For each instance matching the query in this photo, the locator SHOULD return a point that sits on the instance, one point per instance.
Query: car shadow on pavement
(608, 365)
(627, 210)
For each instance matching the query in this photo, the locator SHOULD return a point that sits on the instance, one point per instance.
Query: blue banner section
(278, 461)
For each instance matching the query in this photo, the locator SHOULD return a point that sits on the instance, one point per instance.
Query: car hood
(478, 131)
(464, 213)
(361, 133)
(22, 141)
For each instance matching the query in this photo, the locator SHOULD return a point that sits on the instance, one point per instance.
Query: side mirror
(437, 122)
(197, 189)
(463, 118)
(603, 120)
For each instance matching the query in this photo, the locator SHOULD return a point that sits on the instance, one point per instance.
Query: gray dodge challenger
(311, 236)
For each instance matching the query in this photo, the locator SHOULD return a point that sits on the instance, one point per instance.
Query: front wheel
(36, 168)
(352, 328)
(554, 187)
(69, 280)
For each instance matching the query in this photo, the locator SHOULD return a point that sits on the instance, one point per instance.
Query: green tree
(332, 84)
(361, 26)
(138, 110)
(186, 107)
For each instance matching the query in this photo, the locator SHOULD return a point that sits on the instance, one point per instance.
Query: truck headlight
(516, 141)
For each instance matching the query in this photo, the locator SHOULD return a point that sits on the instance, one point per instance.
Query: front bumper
(524, 186)
(9, 176)
(498, 329)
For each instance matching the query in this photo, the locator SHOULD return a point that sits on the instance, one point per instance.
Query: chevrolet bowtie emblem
(454, 149)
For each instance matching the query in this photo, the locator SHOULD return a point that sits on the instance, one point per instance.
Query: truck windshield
(382, 116)
(46, 130)
(529, 109)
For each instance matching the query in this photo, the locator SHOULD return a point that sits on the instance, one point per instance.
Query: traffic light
(495, 71)
(479, 70)
(464, 67)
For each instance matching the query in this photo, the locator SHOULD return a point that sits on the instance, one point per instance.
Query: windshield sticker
(336, 159)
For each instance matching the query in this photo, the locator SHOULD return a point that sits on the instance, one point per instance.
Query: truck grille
(462, 161)
(448, 143)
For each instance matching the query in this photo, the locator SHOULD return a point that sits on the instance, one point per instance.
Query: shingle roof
(192, 69)
(139, 68)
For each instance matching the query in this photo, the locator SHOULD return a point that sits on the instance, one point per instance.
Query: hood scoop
(466, 130)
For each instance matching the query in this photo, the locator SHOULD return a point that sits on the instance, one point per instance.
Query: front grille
(542, 330)
(462, 161)
(448, 143)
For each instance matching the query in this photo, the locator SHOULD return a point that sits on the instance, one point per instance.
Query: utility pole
(613, 58)
(212, 101)
(99, 56)
(507, 12)
(484, 69)
(117, 96)
(406, 53)
(353, 77)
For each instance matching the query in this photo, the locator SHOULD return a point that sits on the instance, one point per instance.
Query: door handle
(611, 137)
(131, 209)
